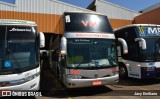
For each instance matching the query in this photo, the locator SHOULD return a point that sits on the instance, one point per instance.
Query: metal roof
(155, 6)
(113, 11)
(104, 1)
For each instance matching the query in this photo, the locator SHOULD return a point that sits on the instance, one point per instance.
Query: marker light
(75, 72)
(9, 21)
(127, 64)
(63, 52)
(125, 51)
(138, 65)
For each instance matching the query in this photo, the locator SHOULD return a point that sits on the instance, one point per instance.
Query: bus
(19, 55)
(143, 58)
(85, 54)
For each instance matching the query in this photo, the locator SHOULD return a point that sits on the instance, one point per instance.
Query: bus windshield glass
(151, 35)
(91, 53)
(20, 47)
(153, 49)
(83, 22)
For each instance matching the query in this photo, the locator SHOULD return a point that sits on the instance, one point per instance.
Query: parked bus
(85, 55)
(19, 55)
(143, 58)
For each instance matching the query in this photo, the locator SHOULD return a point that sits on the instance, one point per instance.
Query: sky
(136, 5)
(9, 1)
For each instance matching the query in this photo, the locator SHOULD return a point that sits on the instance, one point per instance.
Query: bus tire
(123, 72)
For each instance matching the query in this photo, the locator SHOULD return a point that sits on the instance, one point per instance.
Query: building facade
(150, 15)
(118, 15)
(46, 13)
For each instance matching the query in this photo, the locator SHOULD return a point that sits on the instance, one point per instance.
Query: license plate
(97, 83)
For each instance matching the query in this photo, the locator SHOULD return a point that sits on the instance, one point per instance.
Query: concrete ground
(125, 89)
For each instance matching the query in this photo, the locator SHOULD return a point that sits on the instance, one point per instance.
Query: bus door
(134, 69)
(62, 67)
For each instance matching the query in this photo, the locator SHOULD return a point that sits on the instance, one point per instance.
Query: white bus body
(143, 58)
(19, 55)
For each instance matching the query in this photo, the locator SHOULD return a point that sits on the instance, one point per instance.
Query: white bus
(19, 55)
(85, 55)
(143, 58)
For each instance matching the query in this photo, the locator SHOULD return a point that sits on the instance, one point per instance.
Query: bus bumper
(150, 74)
(78, 83)
(30, 85)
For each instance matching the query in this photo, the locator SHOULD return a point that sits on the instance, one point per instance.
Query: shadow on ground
(138, 82)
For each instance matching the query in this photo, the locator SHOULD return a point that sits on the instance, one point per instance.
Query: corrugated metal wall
(40, 6)
(45, 22)
(46, 13)
(119, 16)
(151, 17)
(114, 11)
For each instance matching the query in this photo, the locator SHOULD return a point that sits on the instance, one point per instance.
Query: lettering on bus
(17, 29)
(153, 30)
(89, 23)
(148, 31)
(92, 35)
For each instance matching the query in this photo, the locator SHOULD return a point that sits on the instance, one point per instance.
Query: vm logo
(89, 23)
(153, 30)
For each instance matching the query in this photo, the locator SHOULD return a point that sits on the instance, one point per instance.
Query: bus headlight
(74, 76)
(114, 73)
(23, 80)
(150, 68)
(31, 77)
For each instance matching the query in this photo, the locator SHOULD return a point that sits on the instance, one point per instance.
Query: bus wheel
(122, 72)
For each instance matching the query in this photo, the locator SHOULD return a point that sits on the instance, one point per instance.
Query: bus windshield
(91, 53)
(83, 22)
(20, 47)
(153, 49)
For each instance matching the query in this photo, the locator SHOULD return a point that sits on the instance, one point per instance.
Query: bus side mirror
(124, 45)
(142, 42)
(42, 40)
(63, 45)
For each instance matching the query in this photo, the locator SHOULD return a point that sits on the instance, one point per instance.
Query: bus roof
(134, 25)
(85, 12)
(16, 22)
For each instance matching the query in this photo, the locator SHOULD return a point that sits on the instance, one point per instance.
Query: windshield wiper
(81, 63)
(15, 60)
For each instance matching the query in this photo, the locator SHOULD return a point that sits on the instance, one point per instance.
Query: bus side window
(119, 50)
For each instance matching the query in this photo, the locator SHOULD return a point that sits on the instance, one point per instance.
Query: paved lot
(125, 89)
(52, 89)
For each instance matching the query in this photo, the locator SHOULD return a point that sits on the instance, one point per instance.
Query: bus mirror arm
(42, 40)
(63, 46)
(143, 42)
(124, 45)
